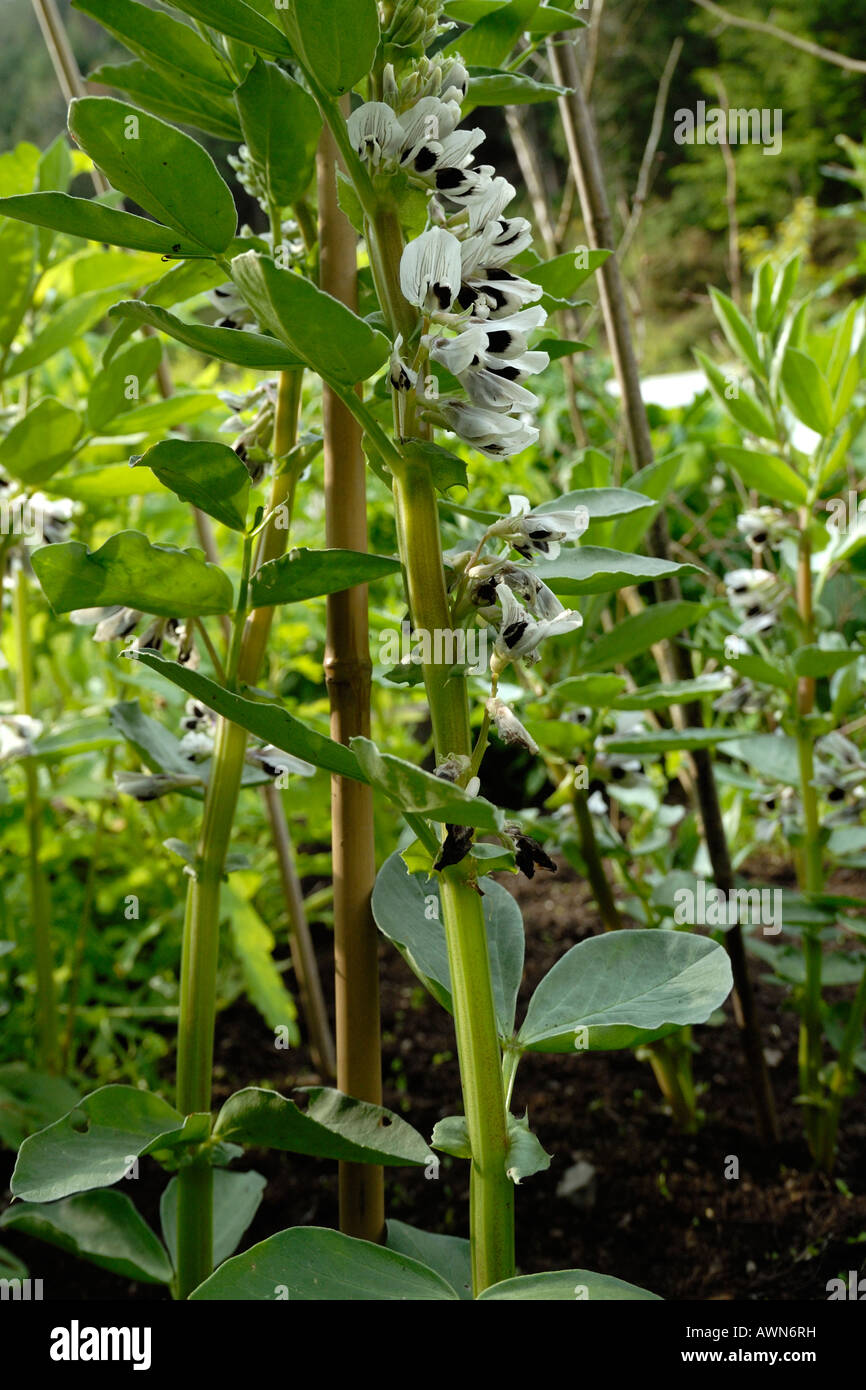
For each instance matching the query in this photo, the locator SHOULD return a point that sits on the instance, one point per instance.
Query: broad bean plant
(436, 368)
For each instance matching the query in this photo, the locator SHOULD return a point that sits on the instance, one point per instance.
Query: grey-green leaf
(95, 1144)
(449, 1256)
(567, 1286)
(130, 571)
(267, 721)
(616, 990)
(592, 569)
(236, 1199)
(102, 1227)
(422, 793)
(333, 1125)
(310, 1264)
(408, 912)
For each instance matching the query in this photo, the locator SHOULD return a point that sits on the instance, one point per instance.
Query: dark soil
(658, 1209)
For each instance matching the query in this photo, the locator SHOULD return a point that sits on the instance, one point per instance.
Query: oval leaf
(164, 171)
(611, 991)
(310, 1264)
(209, 475)
(332, 1126)
(304, 574)
(101, 1227)
(129, 571)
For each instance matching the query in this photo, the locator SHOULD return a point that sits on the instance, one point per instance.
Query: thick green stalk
(491, 1191)
(812, 873)
(46, 1004)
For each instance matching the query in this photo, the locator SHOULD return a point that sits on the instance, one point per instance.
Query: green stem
(491, 1191)
(840, 1078)
(46, 1004)
(201, 926)
(810, 1044)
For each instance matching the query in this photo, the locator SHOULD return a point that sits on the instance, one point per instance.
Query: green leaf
(422, 793)
(491, 39)
(591, 569)
(566, 1286)
(639, 632)
(101, 1227)
(596, 691)
(30, 1100)
(164, 171)
(562, 277)
(183, 101)
(332, 1126)
(236, 1199)
(159, 39)
(662, 695)
(238, 21)
(451, 1136)
(306, 574)
(616, 990)
(738, 332)
(321, 331)
(491, 87)
(310, 1264)
(254, 943)
(770, 755)
(408, 912)
(336, 40)
(742, 407)
(755, 668)
(281, 126)
(654, 481)
(17, 246)
(208, 475)
(447, 469)
(128, 570)
(525, 1156)
(41, 442)
(128, 370)
(765, 473)
(65, 326)
(85, 218)
(819, 661)
(267, 721)
(602, 503)
(807, 391)
(153, 742)
(228, 344)
(449, 1256)
(94, 1145)
(668, 741)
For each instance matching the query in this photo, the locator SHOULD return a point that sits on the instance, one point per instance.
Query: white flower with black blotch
(596, 804)
(430, 271)
(532, 592)
(497, 243)
(508, 726)
(520, 635)
(375, 132)
(486, 208)
(197, 745)
(496, 293)
(17, 734)
(540, 533)
(197, 717)
(755, 594)
(148, 786)
(277, 763)
(234, 311)
(490, 432)
(455, 82)
(402, 376)
(763, 526)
